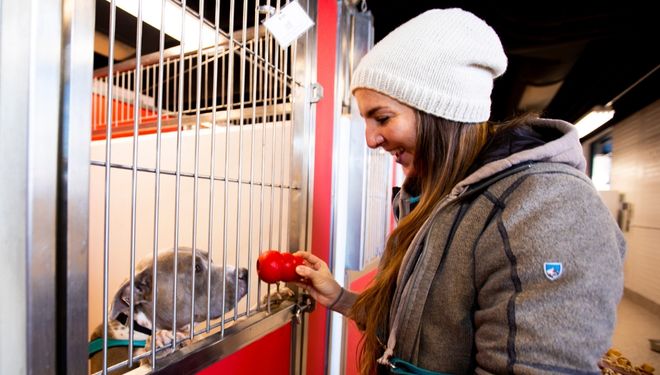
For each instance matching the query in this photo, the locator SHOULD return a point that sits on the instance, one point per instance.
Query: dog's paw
(183, 336)
(164, 337)
(285, 293)
(281, 293)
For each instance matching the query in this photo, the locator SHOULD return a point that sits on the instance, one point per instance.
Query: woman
(504, 258)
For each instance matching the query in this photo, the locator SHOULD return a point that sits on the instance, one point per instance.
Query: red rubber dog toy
(274, 266)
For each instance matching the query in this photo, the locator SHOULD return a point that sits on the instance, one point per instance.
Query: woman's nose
(373, 137)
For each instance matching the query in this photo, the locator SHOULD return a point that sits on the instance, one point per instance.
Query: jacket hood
(565, 148)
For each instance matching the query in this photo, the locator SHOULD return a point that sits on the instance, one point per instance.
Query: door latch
(306, 305)
(316, 92)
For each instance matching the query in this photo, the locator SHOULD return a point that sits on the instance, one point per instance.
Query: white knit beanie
(442, 62)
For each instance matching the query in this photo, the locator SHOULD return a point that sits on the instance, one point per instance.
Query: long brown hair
(444, 153)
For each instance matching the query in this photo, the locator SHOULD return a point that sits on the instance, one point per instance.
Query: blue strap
(399, 366)
(414, 199)
(96, 345)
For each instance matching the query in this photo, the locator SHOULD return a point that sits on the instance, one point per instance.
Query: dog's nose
(243, 274)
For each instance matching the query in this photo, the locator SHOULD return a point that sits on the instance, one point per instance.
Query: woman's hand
(320, 282)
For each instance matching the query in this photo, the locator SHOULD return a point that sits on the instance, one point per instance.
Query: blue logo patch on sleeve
(552, 270)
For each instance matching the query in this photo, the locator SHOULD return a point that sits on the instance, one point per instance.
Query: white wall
(636, 173)
(271, 221)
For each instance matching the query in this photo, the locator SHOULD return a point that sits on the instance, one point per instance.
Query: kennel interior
(194, 145)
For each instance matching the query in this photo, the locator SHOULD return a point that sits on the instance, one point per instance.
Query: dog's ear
(201, 262)
(142, 292)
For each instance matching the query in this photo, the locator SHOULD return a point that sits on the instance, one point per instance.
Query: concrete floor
(635, 326)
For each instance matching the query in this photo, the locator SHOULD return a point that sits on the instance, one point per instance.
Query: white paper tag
(287, 25)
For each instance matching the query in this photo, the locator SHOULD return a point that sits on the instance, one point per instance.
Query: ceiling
(568, 56)
(564, 57)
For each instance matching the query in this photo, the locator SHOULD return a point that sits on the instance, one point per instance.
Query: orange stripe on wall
(123, 127)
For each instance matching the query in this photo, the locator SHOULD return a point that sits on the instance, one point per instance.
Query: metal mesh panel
(377, 206)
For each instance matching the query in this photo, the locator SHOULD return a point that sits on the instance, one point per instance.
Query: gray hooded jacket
(519, 270)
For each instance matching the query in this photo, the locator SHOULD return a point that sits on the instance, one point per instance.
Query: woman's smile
(391, 125)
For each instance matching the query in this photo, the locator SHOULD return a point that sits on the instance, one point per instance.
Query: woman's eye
(382, 120)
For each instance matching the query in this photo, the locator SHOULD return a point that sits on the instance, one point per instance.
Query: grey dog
(118, 328)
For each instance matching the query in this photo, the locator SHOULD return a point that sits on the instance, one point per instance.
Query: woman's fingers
(305, 271)
(314, 261)
(317, 273)
(320, 281)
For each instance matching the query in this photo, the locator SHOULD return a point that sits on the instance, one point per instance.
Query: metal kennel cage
(198, 145)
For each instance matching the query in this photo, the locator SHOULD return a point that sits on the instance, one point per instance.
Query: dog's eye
(198, 268)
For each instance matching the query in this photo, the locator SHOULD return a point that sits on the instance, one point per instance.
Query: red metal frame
(326, 23)
(269, 355)
(353, 335)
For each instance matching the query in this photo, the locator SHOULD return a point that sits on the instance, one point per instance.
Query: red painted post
(326, 23)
